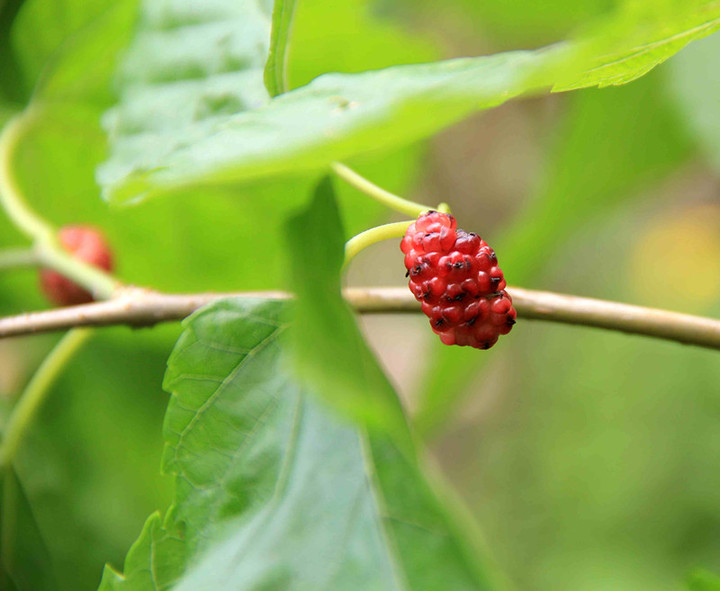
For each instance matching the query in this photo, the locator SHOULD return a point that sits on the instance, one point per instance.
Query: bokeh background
(589, 458)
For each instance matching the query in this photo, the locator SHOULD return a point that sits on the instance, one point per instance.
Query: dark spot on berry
(458, 265)
(471, 321)
(439, 322)
(493, 257)
(416, 270)
(495, 281)
(407, 274)
(511, 321)
(485, 346)
(460, 297)
(427, 295)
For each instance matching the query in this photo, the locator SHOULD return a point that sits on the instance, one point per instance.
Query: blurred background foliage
(589, 458)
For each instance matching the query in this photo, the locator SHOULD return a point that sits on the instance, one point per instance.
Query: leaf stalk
(372, 236)
(380, 195)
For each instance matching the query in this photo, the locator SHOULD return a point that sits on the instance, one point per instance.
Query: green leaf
(332, 118)
(68, 49)
(325, 330)
(338, 116)
(276, 67)
(154, 560)
(273, 491)
(702, 580)
(88, 465)
(514, 23)
(639, 37)
(24, 557)
(323, 32)
(11, 83)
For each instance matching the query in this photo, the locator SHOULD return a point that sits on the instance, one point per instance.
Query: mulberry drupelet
(454, 275)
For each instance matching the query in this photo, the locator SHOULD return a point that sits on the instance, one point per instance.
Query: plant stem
(139, 307)
(379, 194)
(370, 237)
(12, 258)
(48, 250)
(19, 213)
(36, 391)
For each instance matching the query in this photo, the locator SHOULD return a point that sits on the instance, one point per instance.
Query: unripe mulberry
(455, 277)
(88, 245)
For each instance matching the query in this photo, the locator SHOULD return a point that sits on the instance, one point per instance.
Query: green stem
(379, 194)
(370, 237)
(19, 213)
(49, 251)
(36, 391)
(12, 258)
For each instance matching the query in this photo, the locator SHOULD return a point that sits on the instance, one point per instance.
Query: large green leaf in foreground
(273, 491)
(189, 114)
(331, 352)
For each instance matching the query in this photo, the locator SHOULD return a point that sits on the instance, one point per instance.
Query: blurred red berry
(87, 244)
(454, 274)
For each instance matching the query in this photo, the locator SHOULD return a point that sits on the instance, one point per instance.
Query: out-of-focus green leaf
(6, 112)
(703, 580)
(273, 492)
(349, 37)
(11, 83)
(334, 117)
(337, 116)
(695, 81)
(513, 23)
(24, 557)
(68, 49)
(612, 144)
(325, 331)
(88, 465)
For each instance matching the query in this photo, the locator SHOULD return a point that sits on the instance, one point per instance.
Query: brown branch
(139, 307)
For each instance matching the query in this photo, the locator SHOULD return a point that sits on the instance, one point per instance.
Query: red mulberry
(454, 275)
(87, 244)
